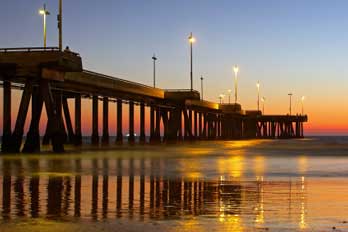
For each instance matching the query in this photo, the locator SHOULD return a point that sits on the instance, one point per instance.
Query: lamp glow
(236, 69)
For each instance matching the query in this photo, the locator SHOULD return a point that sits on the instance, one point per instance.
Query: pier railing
(35, 49)
(118, 79)
(30, 49)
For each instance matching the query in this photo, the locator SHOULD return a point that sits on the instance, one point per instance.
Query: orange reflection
(302, 223)
(191, 169)
(302, 164)
(233, 166)
(260, 218)
(259, 166)
(230, 222)
(192, 225)
(242, 143)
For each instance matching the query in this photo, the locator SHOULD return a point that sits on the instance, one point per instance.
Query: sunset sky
(289, 46)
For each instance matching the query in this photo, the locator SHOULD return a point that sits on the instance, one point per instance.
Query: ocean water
(247, 185)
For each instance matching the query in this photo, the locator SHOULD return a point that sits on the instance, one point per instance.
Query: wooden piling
(95, 133)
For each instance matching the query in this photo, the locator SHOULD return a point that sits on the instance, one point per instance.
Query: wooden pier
(50, 77)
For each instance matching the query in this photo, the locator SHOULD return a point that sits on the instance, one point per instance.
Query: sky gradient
(289, 46)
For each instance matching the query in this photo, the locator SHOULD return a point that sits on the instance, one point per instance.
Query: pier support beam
(195, 124)
(119, 135)
(71, 135)
(190, 124)
(142, 123)
(32, 143)
(164, 115)
(56, 128)
(158, 125)
(58, 102)
(6, 136)
(173, 125)
(200, 125)
(17, 135)
(218, 124)
(131, 138)
(152, 124)
(180, 125)
(95, 134)
(187, 124)
(105, 137)
(46, 138)
(78, 132)
(205, 121)
(302, 134)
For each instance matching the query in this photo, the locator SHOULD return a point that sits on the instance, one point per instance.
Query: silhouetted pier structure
(50, 77)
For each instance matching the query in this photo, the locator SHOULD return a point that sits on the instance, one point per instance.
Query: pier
(49, 77)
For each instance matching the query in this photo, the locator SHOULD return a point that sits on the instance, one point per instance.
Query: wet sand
(297, 185)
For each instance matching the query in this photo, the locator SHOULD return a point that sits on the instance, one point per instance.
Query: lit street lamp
(229, 96)
(236, 70)
(191, 41)
(258, 95)
(263, 99)
(221, 97)
(290, 95)
(44, 12)
(302, 100)
(202, 86)
(154, 58)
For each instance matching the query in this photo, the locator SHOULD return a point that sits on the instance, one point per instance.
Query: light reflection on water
(238, 186)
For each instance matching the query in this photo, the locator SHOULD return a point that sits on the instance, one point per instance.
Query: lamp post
(60, 25)
(263, 99)
(258, 95)
(221, 97)
(229, 96)
(290, 95)
(44, 12)
(202, 86)
(191, 41)
(302, 100)
(154, 58)
(236, 70)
